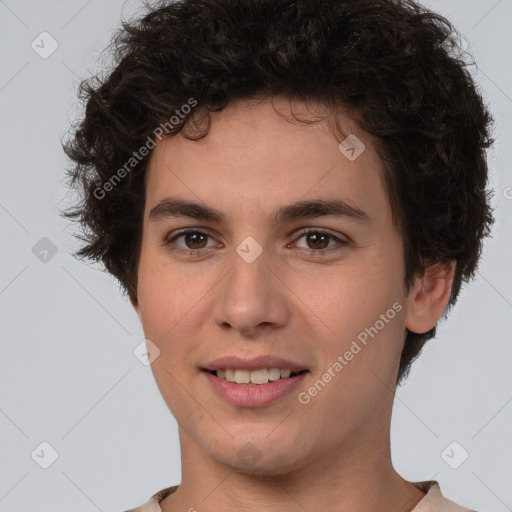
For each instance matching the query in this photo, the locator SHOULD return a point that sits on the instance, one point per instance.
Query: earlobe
(429, 297)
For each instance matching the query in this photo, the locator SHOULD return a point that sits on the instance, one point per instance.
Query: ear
(429, 297)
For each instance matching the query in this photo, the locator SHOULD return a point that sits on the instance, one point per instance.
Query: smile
(254, 394)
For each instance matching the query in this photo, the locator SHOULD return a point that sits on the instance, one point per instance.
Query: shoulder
(153, 504)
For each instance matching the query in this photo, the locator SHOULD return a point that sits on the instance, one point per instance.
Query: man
(291, 193)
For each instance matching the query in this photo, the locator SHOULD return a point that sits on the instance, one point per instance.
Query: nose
(252, 298)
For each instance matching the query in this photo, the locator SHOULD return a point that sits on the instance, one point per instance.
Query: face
(252, 271)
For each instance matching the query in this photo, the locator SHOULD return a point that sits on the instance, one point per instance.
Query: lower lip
(254, 395)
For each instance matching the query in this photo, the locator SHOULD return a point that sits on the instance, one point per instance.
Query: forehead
(254, 158)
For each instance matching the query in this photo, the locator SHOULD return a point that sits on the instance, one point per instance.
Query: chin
(250, 461)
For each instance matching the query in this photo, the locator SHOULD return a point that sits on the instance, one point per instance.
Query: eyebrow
(175, 207)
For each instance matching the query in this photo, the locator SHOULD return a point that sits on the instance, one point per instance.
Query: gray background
(68, 375)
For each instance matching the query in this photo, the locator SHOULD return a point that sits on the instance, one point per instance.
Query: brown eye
(195, 240)
(317, 240)
(190, 241)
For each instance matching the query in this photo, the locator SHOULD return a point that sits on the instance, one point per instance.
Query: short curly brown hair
(389, 62)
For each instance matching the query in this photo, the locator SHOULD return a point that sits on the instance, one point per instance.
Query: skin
(332, 454)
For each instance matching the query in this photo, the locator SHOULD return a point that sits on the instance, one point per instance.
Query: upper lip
(256, 363)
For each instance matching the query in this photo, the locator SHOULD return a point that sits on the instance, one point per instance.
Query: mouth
(244, 388)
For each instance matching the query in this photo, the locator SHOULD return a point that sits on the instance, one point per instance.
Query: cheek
(363, 308)
(355, 296)
(166, 305)
(174, 309)
(155, 302)
(165, 295)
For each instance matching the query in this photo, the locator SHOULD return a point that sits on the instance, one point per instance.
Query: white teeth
(285, 374)
(261, 376)
(274, 374)
(242, 376)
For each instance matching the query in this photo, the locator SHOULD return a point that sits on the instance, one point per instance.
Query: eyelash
(168, 240)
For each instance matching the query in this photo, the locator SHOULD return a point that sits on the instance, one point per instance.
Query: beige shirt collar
(433, 501)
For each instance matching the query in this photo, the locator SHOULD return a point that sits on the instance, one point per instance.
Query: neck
(355, 476)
